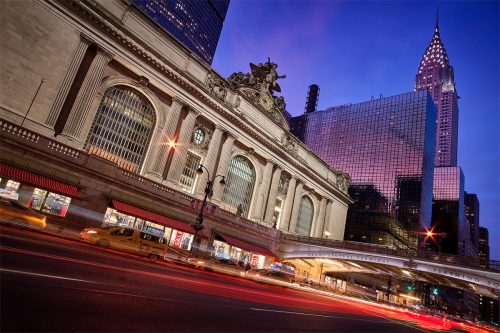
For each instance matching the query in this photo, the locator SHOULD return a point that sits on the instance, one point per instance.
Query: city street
(52, 284)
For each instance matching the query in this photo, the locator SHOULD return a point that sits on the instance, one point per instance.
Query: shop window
(56, 204)
(12, 185)
(181, 240)
(37, 199)
(115, 218)
(221, 249)
(189, 172)
(153, 228)
(11, 190)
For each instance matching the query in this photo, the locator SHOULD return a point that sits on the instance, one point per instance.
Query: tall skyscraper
(387, 147)
(195, 23)
(471, 205)
(484, 246)
(436, 74)
(448, 212)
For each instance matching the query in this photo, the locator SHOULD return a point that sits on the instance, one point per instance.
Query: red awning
(42, 182)
(247, 246)
(154, 217)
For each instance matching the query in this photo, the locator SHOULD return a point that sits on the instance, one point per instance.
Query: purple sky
(354, 50)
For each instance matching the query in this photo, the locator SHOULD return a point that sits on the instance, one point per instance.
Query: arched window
(122, 128)
(304, 220)
(239, 185)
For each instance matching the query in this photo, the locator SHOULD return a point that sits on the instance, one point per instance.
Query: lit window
(198, 136)
(189, 172)
(122, 128)
(239, 185)
(304, 220)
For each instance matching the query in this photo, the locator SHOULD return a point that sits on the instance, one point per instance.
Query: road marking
(293, 312)
(315, 315)
(395, 321)
(43, 275)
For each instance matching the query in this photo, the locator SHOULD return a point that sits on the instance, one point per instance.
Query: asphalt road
(52, 284)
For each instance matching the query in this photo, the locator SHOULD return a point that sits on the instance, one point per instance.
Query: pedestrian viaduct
(446, 268)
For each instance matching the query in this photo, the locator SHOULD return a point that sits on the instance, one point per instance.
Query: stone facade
(84, 48)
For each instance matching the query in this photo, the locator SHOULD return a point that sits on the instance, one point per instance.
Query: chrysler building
(436, 74)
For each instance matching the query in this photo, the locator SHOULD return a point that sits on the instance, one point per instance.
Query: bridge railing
(408, 253)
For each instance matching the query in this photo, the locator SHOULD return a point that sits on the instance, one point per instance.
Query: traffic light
(435, 291)
(409, 287)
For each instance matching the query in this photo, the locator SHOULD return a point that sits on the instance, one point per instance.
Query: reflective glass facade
(387, 147)
(471, 206)
(448, 211)
(195, 23)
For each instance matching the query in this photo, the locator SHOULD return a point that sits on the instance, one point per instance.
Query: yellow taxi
(127, 240)
(12, 212)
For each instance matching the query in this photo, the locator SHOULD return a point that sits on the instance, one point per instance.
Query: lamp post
(198, 225)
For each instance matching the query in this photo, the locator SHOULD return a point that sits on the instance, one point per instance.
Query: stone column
(336, 226)
(273, 193)
(68, 81)
(181, 148)
(319, 224)
(263, 191)
(78, 115)
(160, 149)
(223, 166)
(210, 158)
(287, 208)
(328, 213)
(296, 206)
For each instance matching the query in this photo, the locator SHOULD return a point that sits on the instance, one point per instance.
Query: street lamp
(431, 234)
(198, 225)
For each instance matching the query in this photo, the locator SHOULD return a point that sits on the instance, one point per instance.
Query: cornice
(143, 52)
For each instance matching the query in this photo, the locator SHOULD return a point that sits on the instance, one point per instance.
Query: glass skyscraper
(448, 212)
(195, 23)
(436, 75)
(387, 147)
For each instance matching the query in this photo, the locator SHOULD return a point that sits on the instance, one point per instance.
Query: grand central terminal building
(105, 119)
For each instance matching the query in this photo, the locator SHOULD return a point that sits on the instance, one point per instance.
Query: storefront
(178, 235)
(35, 191)
(227, 247)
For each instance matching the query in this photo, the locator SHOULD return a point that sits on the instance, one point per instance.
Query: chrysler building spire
(436, 75)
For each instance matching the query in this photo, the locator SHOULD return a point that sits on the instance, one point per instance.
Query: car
(225, 261)
(12, 212)
(127, 240)
(279, 275)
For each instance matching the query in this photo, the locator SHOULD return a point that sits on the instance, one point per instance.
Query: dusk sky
(355, 49)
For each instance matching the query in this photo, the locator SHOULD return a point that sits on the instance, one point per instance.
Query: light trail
(270, 295)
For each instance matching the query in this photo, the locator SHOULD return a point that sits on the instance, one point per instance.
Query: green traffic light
(409, 287)
(435, 291)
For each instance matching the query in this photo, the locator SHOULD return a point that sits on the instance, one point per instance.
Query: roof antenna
(437, 17)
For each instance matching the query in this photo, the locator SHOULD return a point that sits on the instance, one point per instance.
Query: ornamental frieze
(216, 86)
